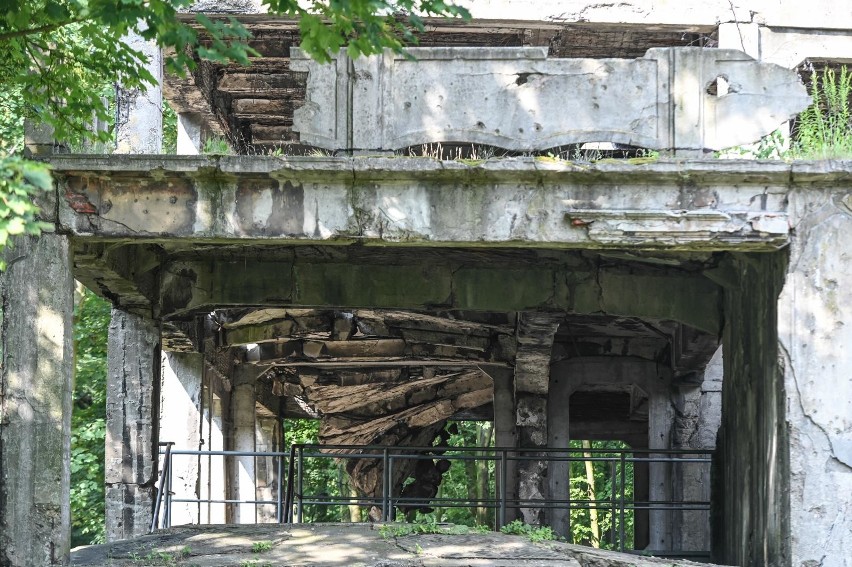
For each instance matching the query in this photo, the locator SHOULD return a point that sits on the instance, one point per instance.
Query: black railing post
(167, 461)
(288, 497)
(300, 486)
(385, 486)
(279, 484)
(621, 518)
(504, 489)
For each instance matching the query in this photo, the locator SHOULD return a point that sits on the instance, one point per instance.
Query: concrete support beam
(752, 484)
(660, 418)
(532, 381)
(243, 478)
(36, 290)
(573, 285)
(559, 437)
(411, 201)
(180, 423)
(216, 420)
(139, 121)
(505, 430)
(133, 383)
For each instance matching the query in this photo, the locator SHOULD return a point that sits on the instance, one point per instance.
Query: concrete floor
(349, 545)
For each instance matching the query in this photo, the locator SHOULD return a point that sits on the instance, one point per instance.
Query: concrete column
(189, 133)
(36, 290)
(215, 405)
(243, 477)
(505, 431)
(139, 116)
(660, 417)
(698, 414)
(752, 486)
(267, 439)
(532, 377)
(133, 381)
(180, 423)
(558, 437)
(815, 334)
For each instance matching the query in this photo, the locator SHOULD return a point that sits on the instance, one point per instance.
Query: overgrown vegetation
(824, 130)
(535, 534)
(88, 419)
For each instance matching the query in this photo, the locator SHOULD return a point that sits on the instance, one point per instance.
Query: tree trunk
(590, 480)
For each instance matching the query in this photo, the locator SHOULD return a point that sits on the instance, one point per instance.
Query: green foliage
(607, 486)
(88, 420)
(216, 146)
(824, 130)
(361, 27)
(169, 129)
(261, 546)
(56, 53)
(322, 476)
(535, 534)
(21, 182)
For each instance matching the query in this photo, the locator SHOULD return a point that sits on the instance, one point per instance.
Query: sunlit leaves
(21, 181)
(361, 27)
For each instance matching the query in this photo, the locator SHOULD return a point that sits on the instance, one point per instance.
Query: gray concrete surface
(659, 101)
(346, 545)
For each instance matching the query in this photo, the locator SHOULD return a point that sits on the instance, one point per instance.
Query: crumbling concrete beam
(202, 285)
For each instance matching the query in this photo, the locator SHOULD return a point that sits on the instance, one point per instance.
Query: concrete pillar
(505, 431)
(752, 487)
(660, 417)
(215, 406)
(133, 381)
(139, 115)
(36, 290)
(698, 414)
(532, 377)
(267, 439)
(814, 334)
(180, 423)
(189, 133)
(243, 478)
(558, 437)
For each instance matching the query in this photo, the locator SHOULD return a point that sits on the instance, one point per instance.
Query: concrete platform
(330, 545)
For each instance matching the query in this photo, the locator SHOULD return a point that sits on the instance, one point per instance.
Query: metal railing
(293, 494)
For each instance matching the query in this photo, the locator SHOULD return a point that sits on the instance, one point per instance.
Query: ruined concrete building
(680, 302)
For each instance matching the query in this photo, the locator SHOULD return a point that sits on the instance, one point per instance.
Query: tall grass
(824, 130)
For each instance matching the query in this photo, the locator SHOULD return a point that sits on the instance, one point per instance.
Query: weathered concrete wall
(751, 474)
(133, 382)
(36, 290)
(814, 314)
